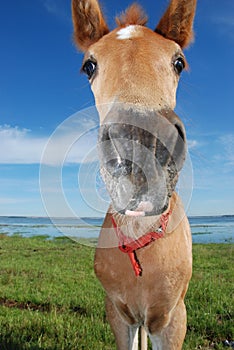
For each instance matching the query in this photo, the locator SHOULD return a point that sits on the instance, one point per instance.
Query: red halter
(129, 246)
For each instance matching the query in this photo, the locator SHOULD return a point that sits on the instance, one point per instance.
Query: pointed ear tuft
(177, 22)
(89, 23)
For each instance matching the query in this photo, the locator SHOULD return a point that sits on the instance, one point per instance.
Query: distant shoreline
(99, 217)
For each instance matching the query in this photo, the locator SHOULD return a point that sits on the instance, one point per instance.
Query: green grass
(210, 299)
(50, 298)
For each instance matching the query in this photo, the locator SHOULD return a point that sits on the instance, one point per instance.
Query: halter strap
(129, 245)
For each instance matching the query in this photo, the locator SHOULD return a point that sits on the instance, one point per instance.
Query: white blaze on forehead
(129, 32)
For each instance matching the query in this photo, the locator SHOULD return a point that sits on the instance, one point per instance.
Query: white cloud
(227, 21)
(192, 144)
(20, 146)
(12, 200)
(51, 6)
(227, 142)
(224, 23)
(56, 8)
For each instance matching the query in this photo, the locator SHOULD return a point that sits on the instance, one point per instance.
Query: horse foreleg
(172, 336)
(126, 336)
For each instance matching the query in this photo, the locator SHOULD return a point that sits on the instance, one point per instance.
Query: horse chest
(158, 287)
(146, 299)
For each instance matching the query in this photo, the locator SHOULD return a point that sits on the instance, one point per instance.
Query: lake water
(205, 229)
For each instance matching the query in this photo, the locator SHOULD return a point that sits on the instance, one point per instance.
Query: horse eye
(179, 65)
(89, 68)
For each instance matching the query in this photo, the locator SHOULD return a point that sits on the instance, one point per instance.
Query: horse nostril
(180, 131)
(125, 167)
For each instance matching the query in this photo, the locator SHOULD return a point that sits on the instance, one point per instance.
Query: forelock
(133, 15)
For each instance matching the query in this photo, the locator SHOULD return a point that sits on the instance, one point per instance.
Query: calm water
(205, 229)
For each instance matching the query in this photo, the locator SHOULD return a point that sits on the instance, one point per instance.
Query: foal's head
(134, 73)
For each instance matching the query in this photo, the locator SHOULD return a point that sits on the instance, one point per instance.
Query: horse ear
(177, 22)
(88, 22)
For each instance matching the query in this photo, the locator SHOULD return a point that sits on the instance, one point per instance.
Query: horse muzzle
(141, 154)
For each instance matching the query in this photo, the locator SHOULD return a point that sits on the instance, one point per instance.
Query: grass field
(51, 300)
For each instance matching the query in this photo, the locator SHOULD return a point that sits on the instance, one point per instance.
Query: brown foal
(144, 256)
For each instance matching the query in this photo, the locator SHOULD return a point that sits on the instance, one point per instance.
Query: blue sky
(40, 87)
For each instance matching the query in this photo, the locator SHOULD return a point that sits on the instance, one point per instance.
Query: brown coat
(167, 265)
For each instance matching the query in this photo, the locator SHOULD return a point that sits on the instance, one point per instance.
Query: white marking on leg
(129, 32)
(133, 338)
(143, 339)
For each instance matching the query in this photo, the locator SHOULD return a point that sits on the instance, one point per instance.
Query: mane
(133, 15)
